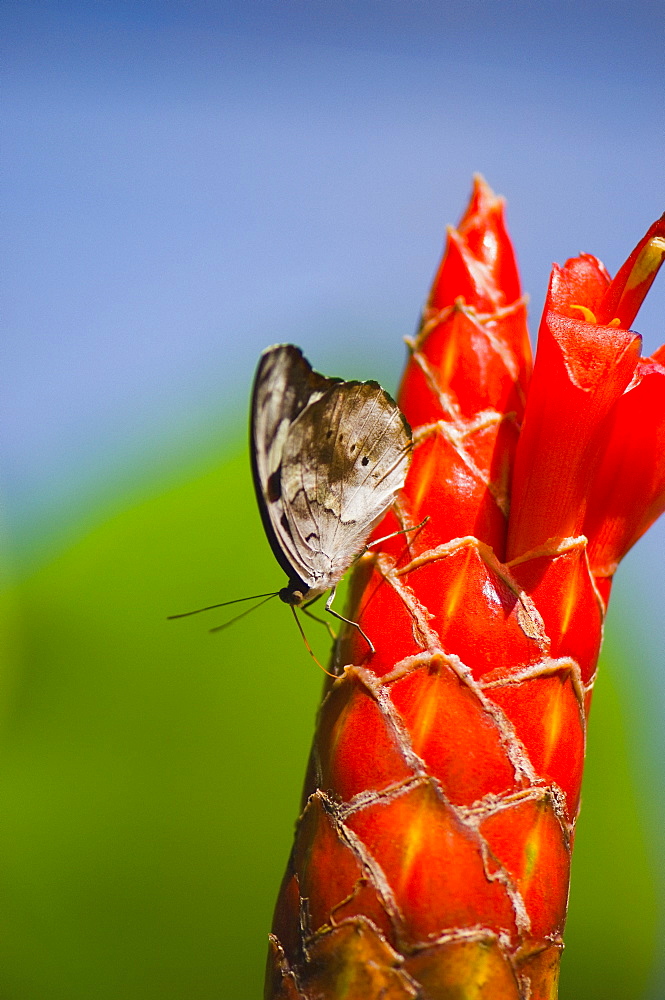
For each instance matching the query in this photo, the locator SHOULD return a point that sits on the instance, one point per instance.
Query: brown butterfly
(328, 459)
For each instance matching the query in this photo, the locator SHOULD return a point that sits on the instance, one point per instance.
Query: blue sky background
(188, 182)
(185, 183)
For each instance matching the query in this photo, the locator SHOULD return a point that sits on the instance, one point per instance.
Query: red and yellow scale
(432, 855)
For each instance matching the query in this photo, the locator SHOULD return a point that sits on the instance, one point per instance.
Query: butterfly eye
(293, 597)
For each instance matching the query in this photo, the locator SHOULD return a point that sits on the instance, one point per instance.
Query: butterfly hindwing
(328, 458)
(344, 460)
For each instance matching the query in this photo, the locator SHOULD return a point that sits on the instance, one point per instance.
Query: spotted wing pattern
(330, 457)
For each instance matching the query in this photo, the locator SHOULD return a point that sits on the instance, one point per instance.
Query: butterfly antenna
(307, 645)
(224, 604)
(218, 628)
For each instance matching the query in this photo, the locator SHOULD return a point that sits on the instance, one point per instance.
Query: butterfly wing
(344, 459)
(284, 385)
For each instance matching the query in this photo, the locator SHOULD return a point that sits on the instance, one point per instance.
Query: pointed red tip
(627, 292)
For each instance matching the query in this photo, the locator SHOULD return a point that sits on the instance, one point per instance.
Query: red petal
(626, 293)
(628, 492)
(582, 281)
(580, 372)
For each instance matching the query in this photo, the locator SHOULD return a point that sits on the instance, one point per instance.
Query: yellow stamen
(590, 317)
(586, 313)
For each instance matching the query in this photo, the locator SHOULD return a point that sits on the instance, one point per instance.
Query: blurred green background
(150, 772)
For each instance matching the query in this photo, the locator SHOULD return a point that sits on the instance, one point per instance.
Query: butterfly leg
(348, 621)
(305, 610)
(307, 645)
(393, 534)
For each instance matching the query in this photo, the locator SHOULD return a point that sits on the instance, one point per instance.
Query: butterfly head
(292, 595)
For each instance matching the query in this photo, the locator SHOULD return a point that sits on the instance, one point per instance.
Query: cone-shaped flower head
(432, 856)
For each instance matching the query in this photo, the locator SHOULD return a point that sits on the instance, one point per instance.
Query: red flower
(432, 856)
(591, 455)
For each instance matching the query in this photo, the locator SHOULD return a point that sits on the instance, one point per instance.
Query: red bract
(592, 403)
(432, 856)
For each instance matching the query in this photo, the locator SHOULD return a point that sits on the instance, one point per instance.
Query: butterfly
(328, 459)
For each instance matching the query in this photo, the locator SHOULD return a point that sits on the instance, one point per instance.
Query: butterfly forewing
(284, 384)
